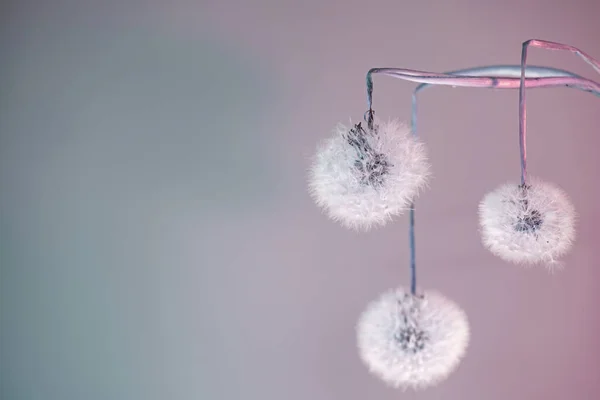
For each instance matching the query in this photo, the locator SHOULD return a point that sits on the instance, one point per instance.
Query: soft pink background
(157, 238)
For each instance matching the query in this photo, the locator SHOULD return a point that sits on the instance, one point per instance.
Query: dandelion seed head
(528, 224)
(412, 341)
(363, 177)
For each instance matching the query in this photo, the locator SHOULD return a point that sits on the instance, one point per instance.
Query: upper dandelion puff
(365, 175)
(410, 340)
(527, 224)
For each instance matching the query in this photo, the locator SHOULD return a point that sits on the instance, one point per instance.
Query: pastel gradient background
(156, 236)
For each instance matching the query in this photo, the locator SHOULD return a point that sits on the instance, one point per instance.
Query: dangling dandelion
(412, 341)
(533, 222)
(365, 175)
(527, 224)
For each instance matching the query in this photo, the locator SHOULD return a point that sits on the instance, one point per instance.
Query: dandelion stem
(523, 118)
(544, 44)
(413, 253)
(522, 101)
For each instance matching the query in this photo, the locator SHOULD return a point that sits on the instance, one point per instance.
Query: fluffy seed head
(363, 177)
(412, 341)
(527, 224)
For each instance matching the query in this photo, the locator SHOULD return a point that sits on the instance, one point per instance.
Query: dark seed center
(411, 339)
(373, 171)
(371, 165)
(530, 222)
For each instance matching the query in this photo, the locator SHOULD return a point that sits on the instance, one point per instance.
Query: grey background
(156, 237)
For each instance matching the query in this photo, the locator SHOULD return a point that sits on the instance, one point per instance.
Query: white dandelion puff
(412, 341)
(363, 177)
(528, 224)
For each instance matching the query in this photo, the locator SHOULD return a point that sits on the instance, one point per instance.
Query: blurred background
(156, 236)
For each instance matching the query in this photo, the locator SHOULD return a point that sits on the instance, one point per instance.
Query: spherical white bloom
(363, 177)
(412, 341)
(527, 225)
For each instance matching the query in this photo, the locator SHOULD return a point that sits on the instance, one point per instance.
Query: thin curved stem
(522, 97)
(523, 118)
(545, 44)
(489, 82)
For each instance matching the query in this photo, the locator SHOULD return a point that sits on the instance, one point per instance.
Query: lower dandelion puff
(364, 176)
(412, 341)
(528, 224)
